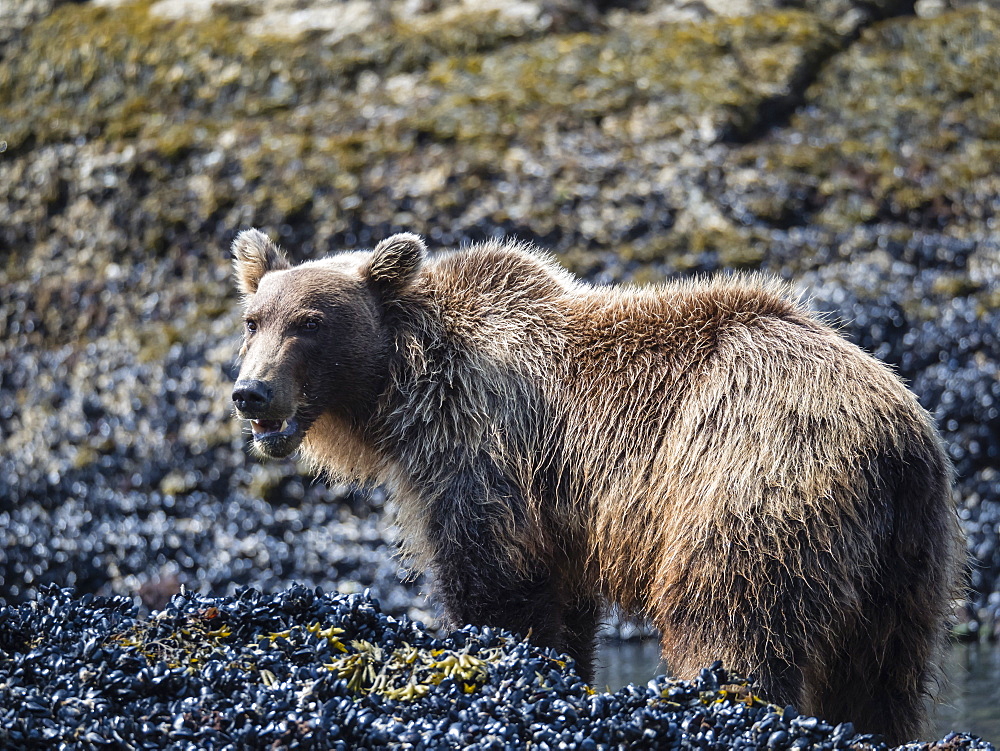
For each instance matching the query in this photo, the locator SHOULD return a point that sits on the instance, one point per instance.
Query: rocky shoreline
(849, 147)
(302, 670)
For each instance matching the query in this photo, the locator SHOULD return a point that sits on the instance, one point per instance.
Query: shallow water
(970, 702)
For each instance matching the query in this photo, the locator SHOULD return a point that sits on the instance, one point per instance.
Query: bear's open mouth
(277, 438)
(273, 428)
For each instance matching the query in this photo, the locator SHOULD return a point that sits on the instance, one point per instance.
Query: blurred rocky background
(850, 146)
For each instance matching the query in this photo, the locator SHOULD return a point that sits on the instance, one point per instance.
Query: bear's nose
(251, 396)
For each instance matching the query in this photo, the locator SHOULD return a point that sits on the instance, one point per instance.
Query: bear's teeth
(266, 426)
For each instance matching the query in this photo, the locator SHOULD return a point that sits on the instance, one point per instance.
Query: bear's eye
(310, 324)
(251, 325)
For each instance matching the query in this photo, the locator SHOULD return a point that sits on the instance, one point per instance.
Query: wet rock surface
(847, 147)
(300, 669)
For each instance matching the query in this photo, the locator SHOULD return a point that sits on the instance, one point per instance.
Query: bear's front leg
(473, 588)
(475, 578)
(530, 605)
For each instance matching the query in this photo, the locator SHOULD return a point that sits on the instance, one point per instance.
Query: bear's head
(314, 335)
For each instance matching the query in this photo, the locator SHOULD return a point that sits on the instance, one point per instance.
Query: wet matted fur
(704, 453)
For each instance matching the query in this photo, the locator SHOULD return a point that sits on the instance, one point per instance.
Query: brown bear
(707, 454)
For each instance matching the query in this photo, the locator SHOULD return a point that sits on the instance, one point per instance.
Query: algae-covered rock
(901, 128)
(178, 131)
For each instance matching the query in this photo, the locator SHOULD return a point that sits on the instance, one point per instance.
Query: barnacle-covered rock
(306, 670)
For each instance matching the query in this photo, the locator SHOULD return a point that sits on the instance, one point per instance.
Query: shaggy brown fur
(706, 454)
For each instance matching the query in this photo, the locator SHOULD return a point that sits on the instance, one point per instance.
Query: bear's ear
(253, 256)
(395, 261)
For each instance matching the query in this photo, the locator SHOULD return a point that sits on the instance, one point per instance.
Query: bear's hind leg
(873, 705)
(879, 684)
(883, 670)
(581, 620)
(773, 677)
